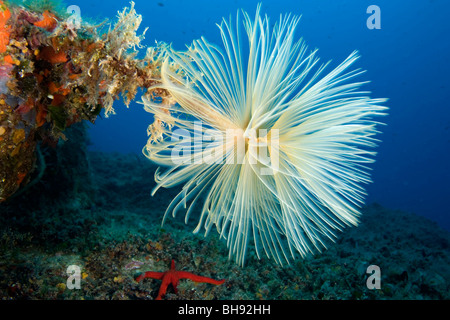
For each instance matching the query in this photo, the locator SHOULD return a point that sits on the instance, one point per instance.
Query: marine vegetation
(280, 147)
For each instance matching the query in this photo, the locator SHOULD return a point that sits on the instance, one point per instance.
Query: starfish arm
(163, 288)
(197, 278)
(150, 274)
(175, 284)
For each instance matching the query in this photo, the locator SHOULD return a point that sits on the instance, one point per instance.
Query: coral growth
(274, 150)
(5, 14)
(48, 22)
(54, 73)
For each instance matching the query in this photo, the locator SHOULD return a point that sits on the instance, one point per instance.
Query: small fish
(134, 264)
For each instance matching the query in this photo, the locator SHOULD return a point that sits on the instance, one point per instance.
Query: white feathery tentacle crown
(290, 176)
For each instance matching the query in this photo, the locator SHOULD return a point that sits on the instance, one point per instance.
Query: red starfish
(173, 276)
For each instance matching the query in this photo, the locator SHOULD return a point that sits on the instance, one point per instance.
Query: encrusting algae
(54, 73)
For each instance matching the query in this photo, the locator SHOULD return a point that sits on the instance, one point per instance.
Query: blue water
(406, 61)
